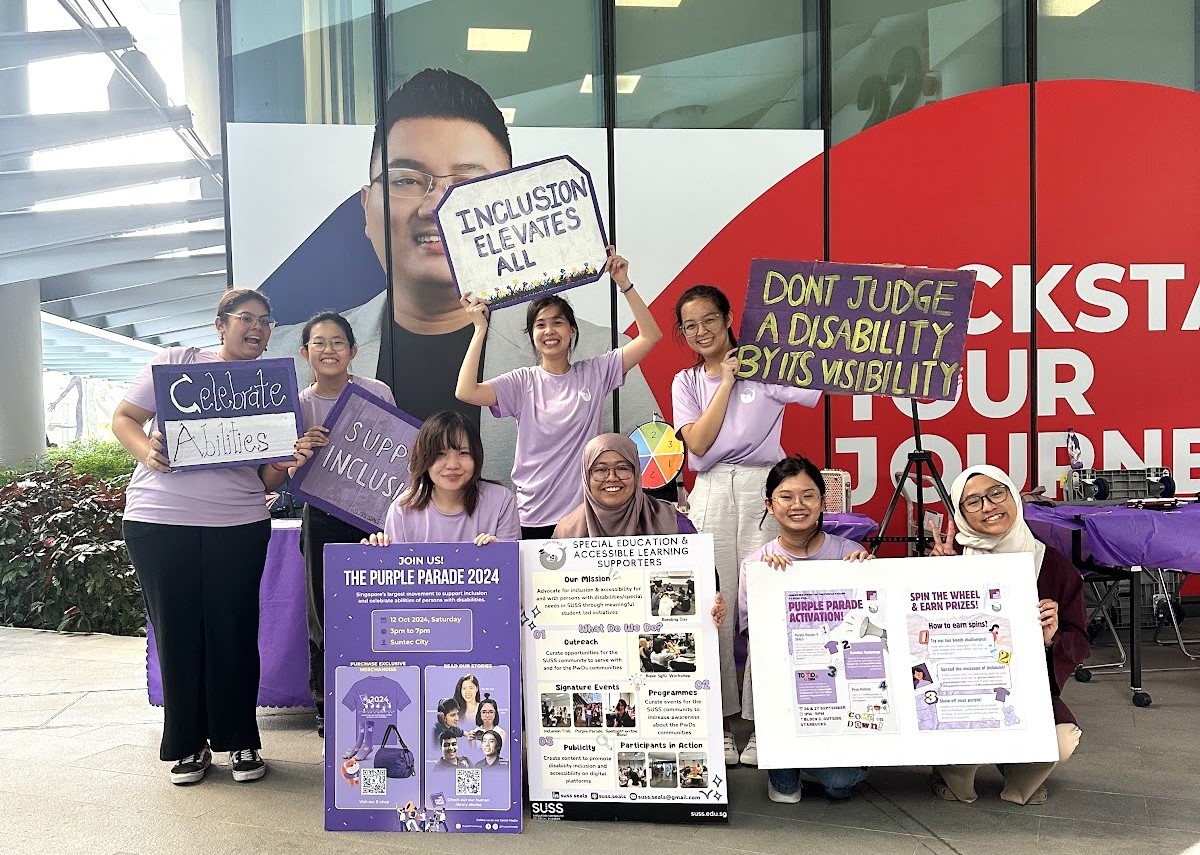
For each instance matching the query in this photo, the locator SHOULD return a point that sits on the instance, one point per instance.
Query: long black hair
(551, 301)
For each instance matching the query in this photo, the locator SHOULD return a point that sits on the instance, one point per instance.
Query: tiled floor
(79, 775)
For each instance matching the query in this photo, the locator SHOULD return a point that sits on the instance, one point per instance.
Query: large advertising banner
(938, 660)
(623, 679)
(423, 691)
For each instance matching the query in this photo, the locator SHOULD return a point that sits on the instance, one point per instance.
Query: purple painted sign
(519, 234)
(365, 466)
(856, 329)
(422, 736)
(237, 413)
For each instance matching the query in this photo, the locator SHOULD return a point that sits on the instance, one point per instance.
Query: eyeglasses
(415, 184)
(995, 495)
(623, 471)
(252, 320)
(708, 323)
(337, 344)
(810, 497)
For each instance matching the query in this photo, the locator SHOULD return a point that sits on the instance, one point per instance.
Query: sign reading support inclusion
(518, 234)
(236, 413)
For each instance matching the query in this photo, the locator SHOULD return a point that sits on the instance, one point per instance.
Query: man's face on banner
(454, 148)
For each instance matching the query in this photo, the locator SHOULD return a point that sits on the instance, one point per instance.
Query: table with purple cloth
(282, 627)
(1119, 543)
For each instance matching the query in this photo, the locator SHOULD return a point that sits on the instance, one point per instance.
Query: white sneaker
(750, 753)
(784, 798)
(731, 752)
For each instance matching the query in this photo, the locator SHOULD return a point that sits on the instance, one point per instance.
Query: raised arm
(702, 433)
(469, 390)
(649, 333)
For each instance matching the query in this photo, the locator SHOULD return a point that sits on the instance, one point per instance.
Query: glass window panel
(716, 64)
(891, 57)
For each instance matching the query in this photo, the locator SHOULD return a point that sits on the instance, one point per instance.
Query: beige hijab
(1017, 539)
(642, 514)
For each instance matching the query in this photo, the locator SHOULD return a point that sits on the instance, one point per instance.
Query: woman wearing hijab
(614, 504)
(987, 511)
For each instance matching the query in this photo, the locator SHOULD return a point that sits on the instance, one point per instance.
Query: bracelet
(626, 290)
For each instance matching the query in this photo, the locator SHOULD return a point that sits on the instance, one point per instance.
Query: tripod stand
(918, 461)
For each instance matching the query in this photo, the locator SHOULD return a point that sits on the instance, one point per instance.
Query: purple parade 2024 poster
(365, 465)
(422, 688)
(525, 232)
(856, 329)
(236, 413)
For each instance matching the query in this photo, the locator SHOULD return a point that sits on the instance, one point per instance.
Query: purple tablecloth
(1123, 537)
(282, 628)
(283, 633)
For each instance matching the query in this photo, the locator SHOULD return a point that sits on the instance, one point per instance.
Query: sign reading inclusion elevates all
(856, 328)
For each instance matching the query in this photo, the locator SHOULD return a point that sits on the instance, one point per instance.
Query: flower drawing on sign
(517, 288)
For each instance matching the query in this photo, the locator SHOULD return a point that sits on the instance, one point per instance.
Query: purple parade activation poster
(422, 677)
(237, 413)
(365, 466)
(856, 329)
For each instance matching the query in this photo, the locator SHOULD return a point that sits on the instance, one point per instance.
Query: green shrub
(103, 459)
(63, 563)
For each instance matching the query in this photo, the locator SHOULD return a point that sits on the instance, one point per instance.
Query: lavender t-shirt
(834, 548)
(207, 497)
(749, 436)
(495, 513)
(314, 408)
(557, 414)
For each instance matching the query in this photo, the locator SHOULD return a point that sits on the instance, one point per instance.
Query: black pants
(319, 528)
(537, 532)
(201, 586)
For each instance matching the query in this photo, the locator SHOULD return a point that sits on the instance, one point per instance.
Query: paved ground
(79, 775)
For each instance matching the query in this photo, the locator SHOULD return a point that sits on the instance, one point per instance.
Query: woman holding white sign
(447, 500)
(329, 346)
(731, 429)
(558, 404)
(795, 496)
(198, 542)
(987, 511)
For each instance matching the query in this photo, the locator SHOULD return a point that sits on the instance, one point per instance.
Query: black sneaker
(321, 726)
(191, 770)
(247, 765)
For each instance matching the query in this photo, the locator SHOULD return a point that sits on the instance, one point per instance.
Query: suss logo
(546, 808)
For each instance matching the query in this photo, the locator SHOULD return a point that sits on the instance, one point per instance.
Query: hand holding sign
(154, 456)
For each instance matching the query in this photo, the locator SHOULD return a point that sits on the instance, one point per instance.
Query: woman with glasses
(329, 346)
(198, 542)
(731, 429)
(988, 520)
(795, 491)
(615, 505)
(558, 404)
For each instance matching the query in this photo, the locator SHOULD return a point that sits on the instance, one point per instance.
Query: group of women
(198, 539)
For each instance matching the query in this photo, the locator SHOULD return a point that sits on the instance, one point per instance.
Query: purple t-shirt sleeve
(685, 404)
(512, 390)
(612, 370)
(793, 395)
(350, 702)
(508, 528)
(392, 522)
(141, 392)
(685, 524)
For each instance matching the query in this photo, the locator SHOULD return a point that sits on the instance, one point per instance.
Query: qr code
(374, 782)
(467, 782)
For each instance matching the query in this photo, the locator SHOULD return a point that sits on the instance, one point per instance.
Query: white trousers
(727, 502)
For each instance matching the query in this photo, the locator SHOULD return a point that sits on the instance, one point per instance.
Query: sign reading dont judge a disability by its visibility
(857, 329)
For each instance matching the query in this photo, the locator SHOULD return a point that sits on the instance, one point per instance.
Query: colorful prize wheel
(660, 453)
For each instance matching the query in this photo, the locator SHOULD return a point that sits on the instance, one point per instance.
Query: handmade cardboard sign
(365, 466)
(856, 329)
(516, 235)
(237, 413)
